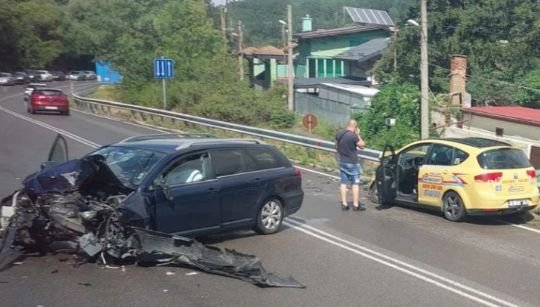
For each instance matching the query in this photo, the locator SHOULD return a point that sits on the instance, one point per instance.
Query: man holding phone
(348, 141)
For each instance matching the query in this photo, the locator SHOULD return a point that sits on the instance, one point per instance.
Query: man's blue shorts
(350, 173)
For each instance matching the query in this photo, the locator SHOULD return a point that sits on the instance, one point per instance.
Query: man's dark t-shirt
(347, 150)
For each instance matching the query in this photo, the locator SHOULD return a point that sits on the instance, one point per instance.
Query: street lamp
(413, 22)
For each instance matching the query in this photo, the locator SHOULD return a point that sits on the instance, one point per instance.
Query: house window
(312, 68)
(320, 64)
(330, 68)
(339, 71)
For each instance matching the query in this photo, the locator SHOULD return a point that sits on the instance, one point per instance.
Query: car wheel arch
(463, 197)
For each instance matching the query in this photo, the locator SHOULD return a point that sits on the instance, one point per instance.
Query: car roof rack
(164, 136)
(192, 143)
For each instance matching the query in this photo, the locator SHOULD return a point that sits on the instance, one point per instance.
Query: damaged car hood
(82, 202)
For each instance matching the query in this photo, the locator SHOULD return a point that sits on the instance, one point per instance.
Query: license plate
(51, 108)
(518, 203)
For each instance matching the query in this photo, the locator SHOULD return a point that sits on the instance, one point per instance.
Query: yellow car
(459, 177)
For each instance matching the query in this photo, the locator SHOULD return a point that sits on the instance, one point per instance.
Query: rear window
(505, 158)
(265, 158)
(48, 93)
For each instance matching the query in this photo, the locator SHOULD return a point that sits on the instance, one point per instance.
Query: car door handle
(257, 179)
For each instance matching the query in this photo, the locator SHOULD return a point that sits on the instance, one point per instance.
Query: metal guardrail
(368, 154)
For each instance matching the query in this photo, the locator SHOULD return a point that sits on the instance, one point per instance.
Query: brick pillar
(458, 79)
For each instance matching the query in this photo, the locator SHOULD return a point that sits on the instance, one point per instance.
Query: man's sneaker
(344, 207)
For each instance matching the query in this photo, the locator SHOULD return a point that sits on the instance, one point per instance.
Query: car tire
(66, 113)
(270, 217)
(453, 207)
(373, 194)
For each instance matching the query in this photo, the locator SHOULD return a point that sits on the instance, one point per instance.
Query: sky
(218, 1)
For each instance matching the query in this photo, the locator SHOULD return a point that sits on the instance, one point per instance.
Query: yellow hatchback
(459, 177)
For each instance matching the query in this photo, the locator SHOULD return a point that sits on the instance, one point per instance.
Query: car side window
(264, 158)
(228, 162)
(459, 156)
(190, 169)
(441, 155)
(414, 156)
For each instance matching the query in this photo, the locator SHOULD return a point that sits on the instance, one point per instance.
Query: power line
(494, 80)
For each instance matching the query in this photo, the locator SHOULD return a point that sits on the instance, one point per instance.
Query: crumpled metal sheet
(76, 203)
(164, 249)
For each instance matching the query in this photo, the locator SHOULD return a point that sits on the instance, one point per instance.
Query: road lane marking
(523, 227)
(334, 240)
(317, 172)
(52, 128)
(399, 265)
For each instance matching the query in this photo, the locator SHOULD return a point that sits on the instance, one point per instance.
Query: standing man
(348, 141)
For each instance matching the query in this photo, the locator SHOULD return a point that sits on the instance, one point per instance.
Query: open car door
(59, 150)
(386, 176)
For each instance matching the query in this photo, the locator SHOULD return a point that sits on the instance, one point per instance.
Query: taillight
(531, 174)
(297, 172)
(488, 177)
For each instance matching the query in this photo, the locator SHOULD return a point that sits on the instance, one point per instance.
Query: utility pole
(290, 76)
(424, 72)
(240, 50)
(223, 25)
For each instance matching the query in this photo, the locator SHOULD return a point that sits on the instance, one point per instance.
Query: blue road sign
(163, 68)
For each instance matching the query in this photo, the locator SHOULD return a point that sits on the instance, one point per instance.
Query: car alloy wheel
(270, 217)
(453, 207)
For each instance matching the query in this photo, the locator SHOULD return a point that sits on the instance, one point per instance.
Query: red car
(48, 100)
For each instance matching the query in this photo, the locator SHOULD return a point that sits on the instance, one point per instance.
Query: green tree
(29, 35)
(500, 37)
(529, 94)
(399, 101)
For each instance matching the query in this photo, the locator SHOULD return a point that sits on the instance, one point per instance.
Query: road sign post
(164, 69)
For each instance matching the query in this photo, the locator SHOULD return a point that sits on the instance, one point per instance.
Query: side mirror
(165, 188)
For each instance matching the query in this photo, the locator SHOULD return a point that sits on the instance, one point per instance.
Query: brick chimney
(458, 80)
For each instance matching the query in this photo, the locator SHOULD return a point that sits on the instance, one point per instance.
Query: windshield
(505, 158)
(129, 165)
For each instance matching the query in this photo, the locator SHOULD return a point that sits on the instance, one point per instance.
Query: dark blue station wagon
(192, 185)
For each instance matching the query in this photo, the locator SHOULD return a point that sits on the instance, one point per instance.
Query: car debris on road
(79, 203)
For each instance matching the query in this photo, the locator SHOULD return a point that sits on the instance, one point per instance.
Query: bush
(399, 101)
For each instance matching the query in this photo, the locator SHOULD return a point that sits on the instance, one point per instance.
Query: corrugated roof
(365, 51)
(314, 82)
(352, 88)
(265, 50)
(337, 31)
(511, 113)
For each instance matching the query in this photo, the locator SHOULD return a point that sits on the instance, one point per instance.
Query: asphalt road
(394, 257)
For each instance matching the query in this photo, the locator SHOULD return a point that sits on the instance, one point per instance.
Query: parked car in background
(199, 186)
(44, 75)
(48, 100)
(30, 88)
(21, 77)
(90, 75)
(7, 79)
(76, 75)
(58, 75)
(32, 75)
(459, 177)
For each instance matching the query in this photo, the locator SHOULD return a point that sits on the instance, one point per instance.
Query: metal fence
(91, 103)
